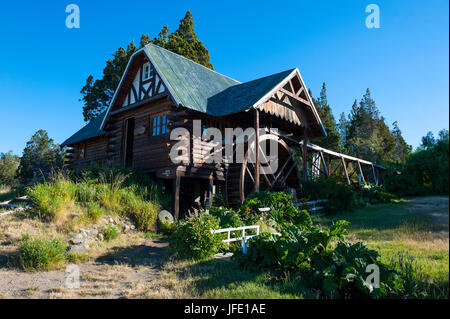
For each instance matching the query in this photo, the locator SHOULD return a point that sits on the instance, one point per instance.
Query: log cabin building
(161, 90)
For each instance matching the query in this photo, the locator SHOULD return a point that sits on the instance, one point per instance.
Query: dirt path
(113, 275)
(435, 207)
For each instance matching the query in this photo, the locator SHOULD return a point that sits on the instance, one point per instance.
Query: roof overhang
(269, 94)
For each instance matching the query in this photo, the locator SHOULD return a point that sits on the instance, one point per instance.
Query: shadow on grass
(384, 217)
(139, 255)
(9, 260)
(222, 278)
(13, 193)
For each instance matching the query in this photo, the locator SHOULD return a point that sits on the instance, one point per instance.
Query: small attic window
(147, 71)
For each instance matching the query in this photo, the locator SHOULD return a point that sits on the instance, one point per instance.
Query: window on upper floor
(147, 72)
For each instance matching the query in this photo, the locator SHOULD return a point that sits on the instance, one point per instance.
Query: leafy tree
(97, 94)
(428, 141)
(443, 134)
(425, 171)
(9, 164)
(40, 153)
(332, 140)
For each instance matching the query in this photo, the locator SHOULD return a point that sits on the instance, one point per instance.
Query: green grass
(67, 202)
(214, 278)
(409, 240)
(397, 232)
(40, 253)
(110, 232)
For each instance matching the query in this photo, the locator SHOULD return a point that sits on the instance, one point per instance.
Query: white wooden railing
(312, 204)
(244, 238)
(312, 207)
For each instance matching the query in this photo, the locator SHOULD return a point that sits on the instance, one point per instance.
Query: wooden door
(129, 140)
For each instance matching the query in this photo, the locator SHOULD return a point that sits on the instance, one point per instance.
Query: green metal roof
(201, 89)
(243, 96)
(90, 130)
(195, 87)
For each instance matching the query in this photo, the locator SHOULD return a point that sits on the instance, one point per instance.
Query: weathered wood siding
(149, 152)
(95, 153)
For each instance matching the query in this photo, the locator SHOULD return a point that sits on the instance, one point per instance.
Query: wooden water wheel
(241, 179)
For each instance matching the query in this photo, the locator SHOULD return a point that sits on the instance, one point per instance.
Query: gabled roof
(243, 96)
(90, 130)
(192, 84)
(196, 87)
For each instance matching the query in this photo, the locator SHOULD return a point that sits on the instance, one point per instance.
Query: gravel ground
(112, 275)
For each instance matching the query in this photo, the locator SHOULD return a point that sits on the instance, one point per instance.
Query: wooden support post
(257, 164)
(374, 175)
(361, 172)
(325, 167)
(345, 170)
(210, 192)
(305, 153)
(176, 195)
(329, 165)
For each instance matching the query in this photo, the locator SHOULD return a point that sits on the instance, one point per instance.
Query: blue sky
(43, 65)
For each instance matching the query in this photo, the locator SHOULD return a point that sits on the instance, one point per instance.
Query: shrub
(94, 211)
(141, 184)
(146, 216)
(416, 283)
(424, 172)
(9, 164)
(110, 232)
(85, 193)
(53, 199)
(282, 210)
(95, 193)
(340, 196)
(165, 227)
(227, 217)
(39, 254)
(193, 238)
(376, 194)
(332, 270)
(109, 198)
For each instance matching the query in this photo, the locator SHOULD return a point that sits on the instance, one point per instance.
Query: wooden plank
(345, 170)
(298, 98)
(374, 175)
(325, 168)
(271, 185)
(305, 153)
(210, 192)
(176, 195)
(257, 164)
(361, 172)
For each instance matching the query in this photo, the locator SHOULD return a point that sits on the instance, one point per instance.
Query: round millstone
(165, 217)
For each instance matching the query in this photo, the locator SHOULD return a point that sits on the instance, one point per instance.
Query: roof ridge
(257, 79)
(211, 70)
